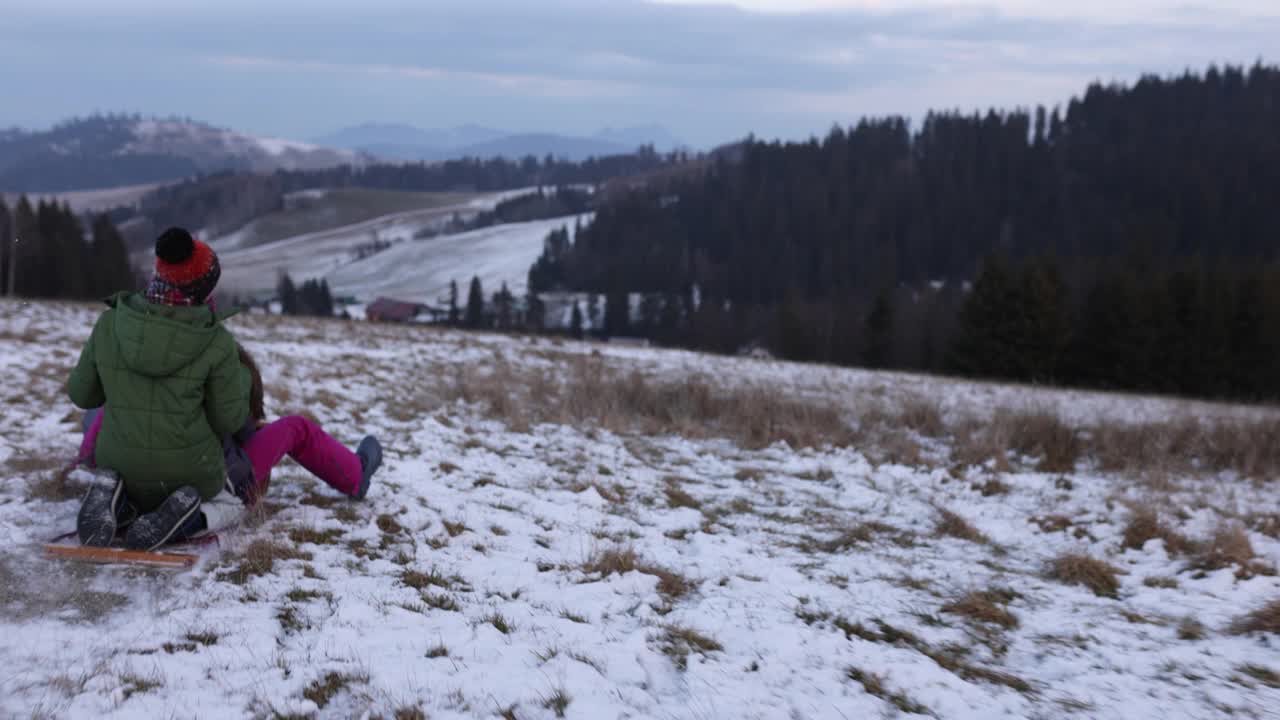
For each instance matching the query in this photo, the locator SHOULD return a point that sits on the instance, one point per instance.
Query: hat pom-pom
(175, 245)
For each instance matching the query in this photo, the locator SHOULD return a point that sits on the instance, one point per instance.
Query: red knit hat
(186, 264)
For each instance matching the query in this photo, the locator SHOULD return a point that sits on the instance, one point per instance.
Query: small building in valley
(388, 310)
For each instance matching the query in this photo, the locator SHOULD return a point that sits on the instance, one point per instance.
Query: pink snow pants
(309, 446)
(295, 436)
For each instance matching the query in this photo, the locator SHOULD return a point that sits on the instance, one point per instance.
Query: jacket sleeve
(226, 397)
(85, 385)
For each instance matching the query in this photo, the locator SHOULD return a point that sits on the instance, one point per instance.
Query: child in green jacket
(176, 394)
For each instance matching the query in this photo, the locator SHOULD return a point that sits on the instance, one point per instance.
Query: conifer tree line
(48, 253)
(503, 311)
(1128, 240)
(311, 298)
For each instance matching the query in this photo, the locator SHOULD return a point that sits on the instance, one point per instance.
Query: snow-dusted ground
(413, 269)
(394, 603)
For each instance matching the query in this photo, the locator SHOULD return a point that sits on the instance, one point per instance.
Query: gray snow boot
(177, 517)
(370, 454)
(105, 508)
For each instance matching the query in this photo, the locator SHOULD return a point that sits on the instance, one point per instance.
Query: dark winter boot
(177, 517)
(370, 454)
(105, 509)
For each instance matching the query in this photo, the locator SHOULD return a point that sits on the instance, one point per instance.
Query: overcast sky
(709, 73)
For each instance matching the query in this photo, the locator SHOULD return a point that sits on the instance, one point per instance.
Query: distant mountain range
(405, 142)
(115, 150)
(111, 151)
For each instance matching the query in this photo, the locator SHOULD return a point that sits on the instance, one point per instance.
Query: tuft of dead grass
(984, 606)
(133, 684)
(622, 560)
(303, 535)
(1230, 547)
(923, 415)
(1145, 525)
(259, 558)
(1079, 569)
(864, 532)
(1265, 619)
(874, 685)
(324, 689)
(1190, 628)
(1043, 434)
(558, 702)
(1261, 673)
(678, 642)
(951, 524)
(678, 498)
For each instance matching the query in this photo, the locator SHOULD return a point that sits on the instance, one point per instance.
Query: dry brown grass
(1230, 547)
(1189, 445)
(874, 685)
(1264, 524)
(1265, 619)
(324, 689)
(1044, 435)
(850, 537)
(984, 606)
(1145, 525)
(922, 415)
(591, 393)
(1079, 569)
(678, 642)
(950, 524)
(259, 558)
(671, 585)
(1052, 523)
(1190, 628)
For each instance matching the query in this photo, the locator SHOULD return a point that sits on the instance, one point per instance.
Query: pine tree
(326, 298)
(26, 243)
(985, 343)
(454, 313)
(502, 303)
(879, 332)
(535, 313)
(475, 304)
(110, 268)
(617, 313)
(288, 294)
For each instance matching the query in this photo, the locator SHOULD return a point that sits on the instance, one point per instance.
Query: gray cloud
(710, 73)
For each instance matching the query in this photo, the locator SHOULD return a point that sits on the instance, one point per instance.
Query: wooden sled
(115, 555)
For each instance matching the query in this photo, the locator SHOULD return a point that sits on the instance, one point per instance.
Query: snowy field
(507, 566)
(413, 269)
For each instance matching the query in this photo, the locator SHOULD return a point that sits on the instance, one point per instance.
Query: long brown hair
(256, 410)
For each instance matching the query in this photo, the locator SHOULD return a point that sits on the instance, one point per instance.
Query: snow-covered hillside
(585, 531)
(115, 151)
(212, 146)
(413, 268)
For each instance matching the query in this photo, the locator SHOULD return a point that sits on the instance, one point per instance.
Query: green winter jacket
(173, 385)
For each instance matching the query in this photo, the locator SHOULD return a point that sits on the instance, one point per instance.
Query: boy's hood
(158, 340)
